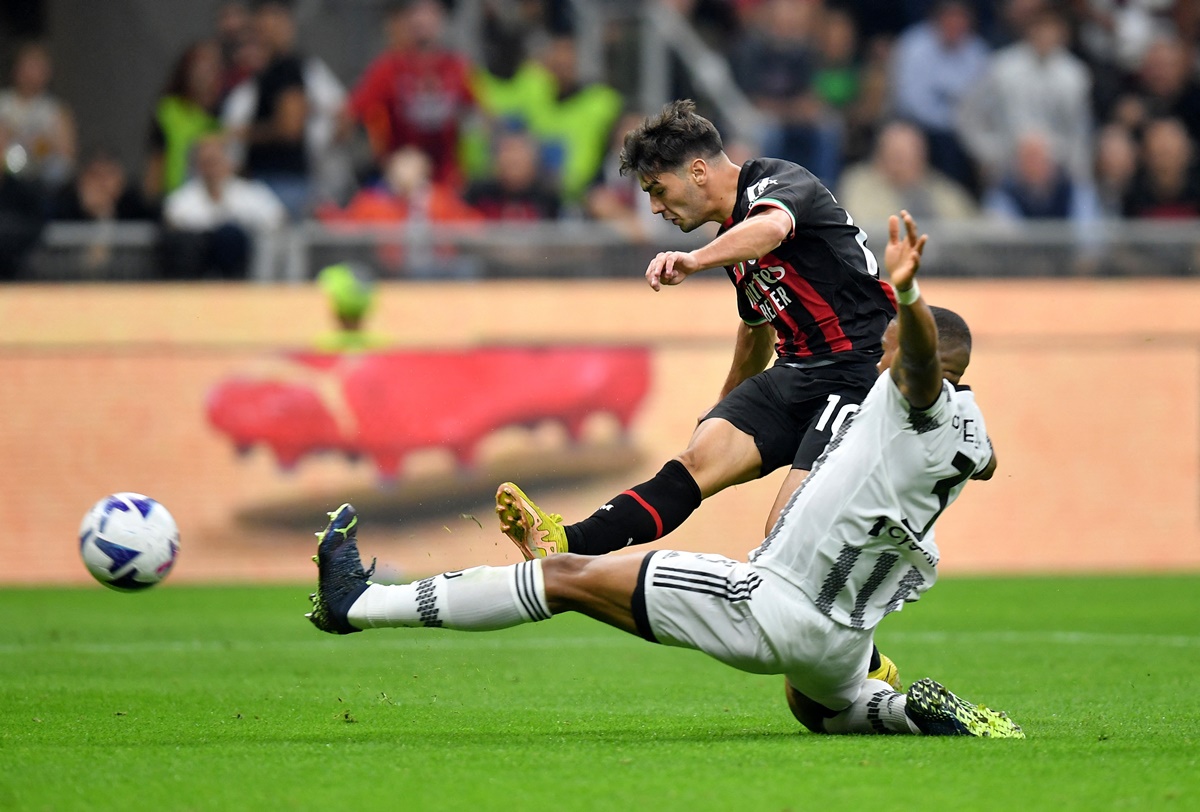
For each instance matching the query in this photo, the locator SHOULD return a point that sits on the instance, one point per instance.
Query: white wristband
(907, 297)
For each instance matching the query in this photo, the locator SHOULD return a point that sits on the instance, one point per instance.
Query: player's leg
(480, 599)
(826, 663)
(831, 688)
(750, 433)
(709, 603)
(602, 587)
(813, 715)
(927, 708)
(836, 400)
(489, 598)
(875, 708)
(827, 684)
(477, 599)
(821, 401)
(794, 479)
(719, 455)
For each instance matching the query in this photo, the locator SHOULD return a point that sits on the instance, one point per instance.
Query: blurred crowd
(1007, 109)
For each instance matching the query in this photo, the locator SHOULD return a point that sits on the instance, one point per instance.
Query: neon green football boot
(888, 672)
(537, 534)
(937, 711)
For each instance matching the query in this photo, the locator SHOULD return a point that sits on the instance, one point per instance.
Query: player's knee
(720, 455)
(565, 576)
(691, 460)
(707, 444)
(807, 712)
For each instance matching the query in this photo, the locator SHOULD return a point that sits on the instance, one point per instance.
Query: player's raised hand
(902, 257)
(670, 268)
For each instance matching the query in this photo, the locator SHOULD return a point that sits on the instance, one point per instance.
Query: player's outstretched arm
(753, 238)
(917, 369)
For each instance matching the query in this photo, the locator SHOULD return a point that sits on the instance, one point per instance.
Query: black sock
(639, 515)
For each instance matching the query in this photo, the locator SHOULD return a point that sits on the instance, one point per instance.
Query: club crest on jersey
(757, 190)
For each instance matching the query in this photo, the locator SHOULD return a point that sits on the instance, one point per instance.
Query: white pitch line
(400, 640)
(1063, 638)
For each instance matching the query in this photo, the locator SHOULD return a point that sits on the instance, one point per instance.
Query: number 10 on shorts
(838, 415)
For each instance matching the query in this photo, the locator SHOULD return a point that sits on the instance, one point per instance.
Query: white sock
(479, 599)
(878, 709)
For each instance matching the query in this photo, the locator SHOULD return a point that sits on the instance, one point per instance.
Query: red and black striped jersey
(820, 289)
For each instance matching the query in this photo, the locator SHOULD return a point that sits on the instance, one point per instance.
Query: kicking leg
(719, 455)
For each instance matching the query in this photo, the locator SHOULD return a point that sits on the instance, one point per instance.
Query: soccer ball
(128, 541)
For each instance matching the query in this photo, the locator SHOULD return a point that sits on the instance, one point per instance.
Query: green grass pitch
(226, 698)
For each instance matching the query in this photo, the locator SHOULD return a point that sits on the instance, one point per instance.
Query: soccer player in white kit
(854, 543)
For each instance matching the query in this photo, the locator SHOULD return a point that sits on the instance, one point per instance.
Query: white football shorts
(752, 620)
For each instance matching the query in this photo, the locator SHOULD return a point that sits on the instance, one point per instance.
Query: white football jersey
(857, 536)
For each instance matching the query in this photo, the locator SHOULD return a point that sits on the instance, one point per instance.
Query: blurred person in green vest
(351, 291)
(182, 115)
(570, 117)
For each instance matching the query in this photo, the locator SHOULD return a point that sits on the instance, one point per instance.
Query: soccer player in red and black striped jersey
(809, 294)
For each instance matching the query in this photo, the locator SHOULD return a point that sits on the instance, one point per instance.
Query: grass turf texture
(226, 698)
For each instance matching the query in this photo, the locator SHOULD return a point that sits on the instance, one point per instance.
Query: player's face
(954, 359)
(677, 198)
(891, 343)
(954, 363)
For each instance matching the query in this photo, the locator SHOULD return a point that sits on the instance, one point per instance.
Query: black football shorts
(793, 412)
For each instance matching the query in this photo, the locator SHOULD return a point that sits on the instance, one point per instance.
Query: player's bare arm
(917, 369)
(753, 238)
(752, 352)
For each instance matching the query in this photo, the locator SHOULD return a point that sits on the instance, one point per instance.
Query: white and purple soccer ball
(128, 541)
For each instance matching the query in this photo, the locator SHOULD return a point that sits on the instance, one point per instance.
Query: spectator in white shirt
(216, 220)
(42, 129)
(899, 176)
(1033, 85)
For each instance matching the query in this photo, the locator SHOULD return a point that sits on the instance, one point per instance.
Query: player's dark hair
(666, 141)
(952, 328)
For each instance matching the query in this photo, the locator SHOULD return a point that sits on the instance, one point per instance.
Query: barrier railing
(580, 249)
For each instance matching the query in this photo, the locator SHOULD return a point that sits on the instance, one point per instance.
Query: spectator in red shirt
(407, 194)
(417, 93)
